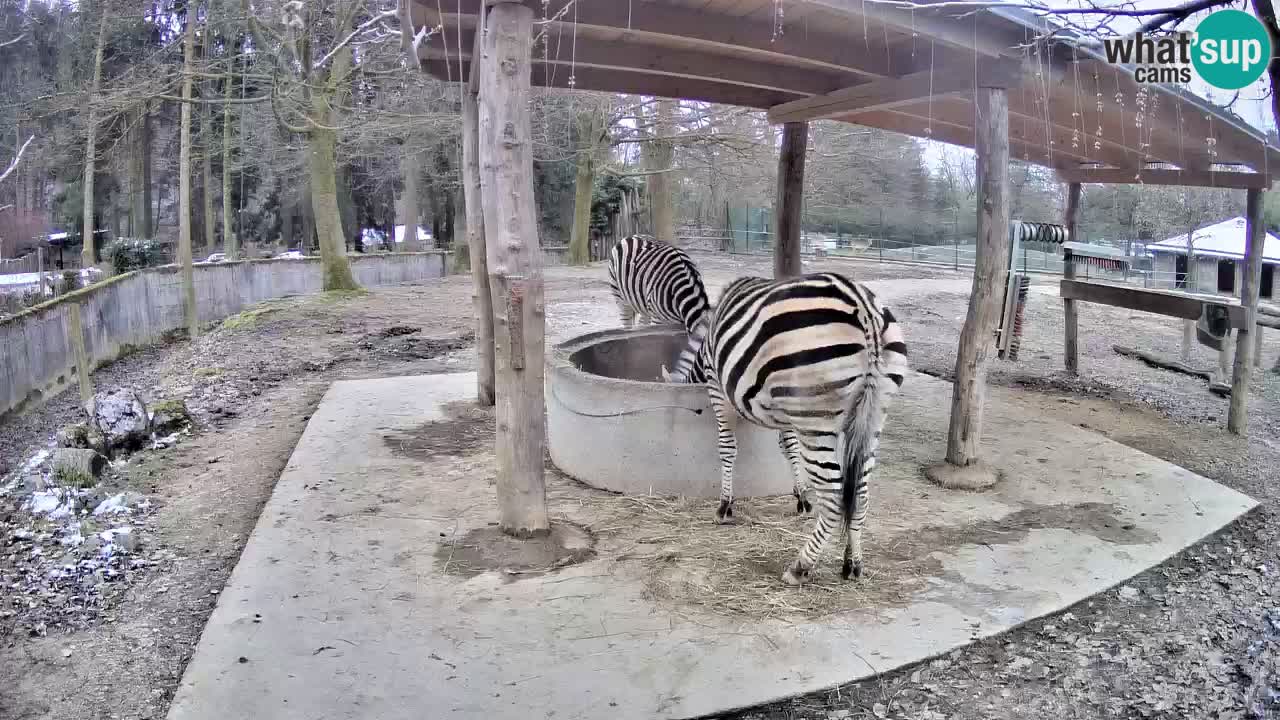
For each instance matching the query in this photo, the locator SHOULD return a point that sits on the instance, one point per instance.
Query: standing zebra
(818, 358)
(659, 283)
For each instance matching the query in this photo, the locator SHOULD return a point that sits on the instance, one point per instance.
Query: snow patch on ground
(113, 505)
(54, 504)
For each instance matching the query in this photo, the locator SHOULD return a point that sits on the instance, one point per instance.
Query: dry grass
(736, 569)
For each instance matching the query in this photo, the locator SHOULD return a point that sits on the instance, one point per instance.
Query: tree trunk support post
(1070, 346)
(514, 265)
(1237, 414)
(482, 300)
(786, 253)
(963, 468)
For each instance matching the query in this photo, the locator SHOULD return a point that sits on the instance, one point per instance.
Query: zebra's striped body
(818, 358)
(660, 284)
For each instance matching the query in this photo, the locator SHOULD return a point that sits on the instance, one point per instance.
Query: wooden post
(786, 254)
(1237, 414)
(962, 468)
(40, 270)
(482, 300)
(1070, 346)
(514, 259)
(75, 334)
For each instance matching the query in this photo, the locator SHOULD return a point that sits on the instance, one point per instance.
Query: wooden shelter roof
(880, 65)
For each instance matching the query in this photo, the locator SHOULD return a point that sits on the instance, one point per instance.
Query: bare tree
(310, 94)
(88, 256)
(184, 182)
(17, 158)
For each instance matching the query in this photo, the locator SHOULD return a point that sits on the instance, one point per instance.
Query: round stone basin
(614, 425)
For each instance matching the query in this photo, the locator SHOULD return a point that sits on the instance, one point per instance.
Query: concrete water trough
(613, 424)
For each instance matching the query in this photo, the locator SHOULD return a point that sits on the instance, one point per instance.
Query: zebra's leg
(727, 444)
(790, 445)
(818, 456)
(858, 513)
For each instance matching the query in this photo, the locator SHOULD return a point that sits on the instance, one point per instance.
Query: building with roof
(1219, 259)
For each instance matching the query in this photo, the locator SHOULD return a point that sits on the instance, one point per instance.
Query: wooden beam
(710, 30)
(1192, 124)
(893, 92)
(1159, 302)
(991, 265)
(515, 272)
(1023, 145)
(1256, 231)
(1070, 348)
(963, 34)
(79, 351)
(481, 297)
(786, 254)
(1191, 178)
(1054, 140)
(626, 56)
(636, 83)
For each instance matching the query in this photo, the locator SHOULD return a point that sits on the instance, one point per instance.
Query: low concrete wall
(139, 308)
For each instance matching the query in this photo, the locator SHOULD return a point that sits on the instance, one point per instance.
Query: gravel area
(1197, 637)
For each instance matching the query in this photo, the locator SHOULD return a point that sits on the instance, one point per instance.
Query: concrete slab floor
(354, 598)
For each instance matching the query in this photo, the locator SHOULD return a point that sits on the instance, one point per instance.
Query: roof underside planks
(871, 64)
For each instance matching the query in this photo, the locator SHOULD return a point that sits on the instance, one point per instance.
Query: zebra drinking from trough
(818, 358)
(659, 282)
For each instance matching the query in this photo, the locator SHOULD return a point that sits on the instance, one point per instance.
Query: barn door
(1227, 276)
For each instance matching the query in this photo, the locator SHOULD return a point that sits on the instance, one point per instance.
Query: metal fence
(949, 251)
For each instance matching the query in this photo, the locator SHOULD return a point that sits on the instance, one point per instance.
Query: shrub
(70, 281)
(128, 254)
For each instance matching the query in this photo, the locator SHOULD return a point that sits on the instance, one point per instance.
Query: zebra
(658, 282)
(818, 358)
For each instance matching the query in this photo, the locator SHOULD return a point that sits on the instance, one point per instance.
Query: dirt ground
(1197, 637)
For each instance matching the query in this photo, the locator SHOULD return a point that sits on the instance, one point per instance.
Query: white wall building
(1219, 260)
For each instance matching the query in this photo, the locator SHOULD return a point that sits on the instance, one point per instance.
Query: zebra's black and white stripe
(659, 283)
(818, 358)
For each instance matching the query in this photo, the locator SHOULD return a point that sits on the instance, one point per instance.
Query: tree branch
(14, 41)
(16, 159)
(384, 15)
(1267, 11)
(1180, 13)
(215, 100)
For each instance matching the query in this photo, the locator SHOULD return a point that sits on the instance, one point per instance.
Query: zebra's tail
(689, 353)
(857, 441)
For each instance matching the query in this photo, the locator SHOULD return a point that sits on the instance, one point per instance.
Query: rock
(73, 436)
(169, 416)
(1129, 593)
(129, 541)
(121, 416)
(124, 538)
(1020, 663)
(34, 482)
(78, 467)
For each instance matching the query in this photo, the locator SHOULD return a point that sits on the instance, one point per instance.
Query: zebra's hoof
(803, 506)
(724, 513)
(795, 576)
(851, 569)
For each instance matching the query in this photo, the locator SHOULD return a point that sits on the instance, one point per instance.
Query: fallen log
(78, 465)
(1175, 365)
